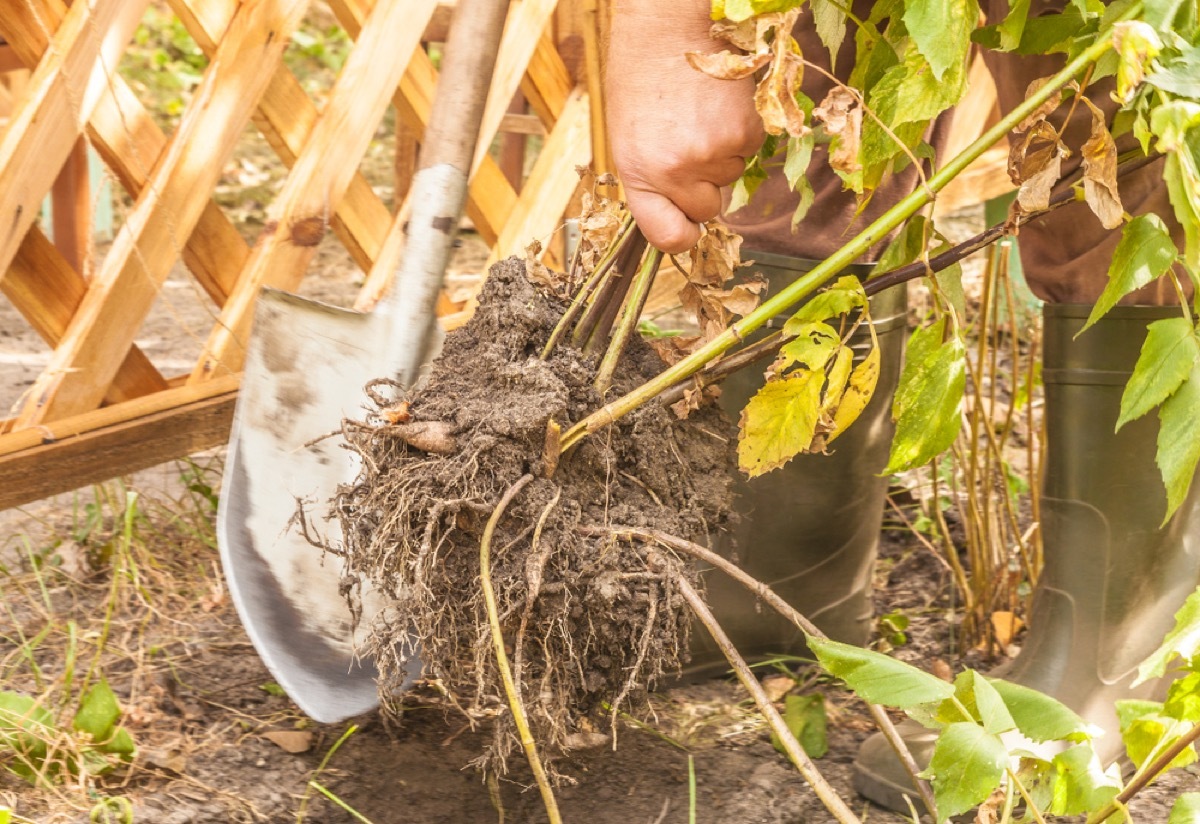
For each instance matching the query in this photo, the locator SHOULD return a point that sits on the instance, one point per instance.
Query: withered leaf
(726, 65)
(742, 35)
(1035, 164)
(775, 96)
(292, 741)
(693, 399)
(1100, 172)
(537, 271)
(675, 348)
(716, 256)
(1040, 113)
(842, 115)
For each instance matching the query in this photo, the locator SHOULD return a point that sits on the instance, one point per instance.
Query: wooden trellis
(100, 407)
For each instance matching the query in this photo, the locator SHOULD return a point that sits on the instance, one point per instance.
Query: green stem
(510, 686)
(839, 260)
(586, 291)
(1030, 808)
(629, 320)
(1148, 773)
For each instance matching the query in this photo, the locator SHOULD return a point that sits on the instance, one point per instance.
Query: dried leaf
(552, 448)
(1035, 164)
(726, 65)
(742, 35)
(693, 399)
(675, 348)
(1039, 114)
(537, 271)
(716, 256)
(1100, 172)
(775, 96)
(292, 741)
(842, 115)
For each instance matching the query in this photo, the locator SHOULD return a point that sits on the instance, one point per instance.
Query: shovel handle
(439, 188)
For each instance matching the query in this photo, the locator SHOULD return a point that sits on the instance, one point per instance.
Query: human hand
(677, 135)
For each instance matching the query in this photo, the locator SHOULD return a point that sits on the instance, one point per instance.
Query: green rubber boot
(809, 530)
(1113, 579)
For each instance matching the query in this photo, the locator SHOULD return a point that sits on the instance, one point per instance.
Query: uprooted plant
(553, 571)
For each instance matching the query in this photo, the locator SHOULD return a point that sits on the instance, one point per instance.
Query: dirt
(592, 621)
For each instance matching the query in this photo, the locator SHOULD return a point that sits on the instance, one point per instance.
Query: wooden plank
(65, 461)
(490, 198)
(523, 29)
(286, 117)
(43, 287)
(61, 96)
(524, 124)
(595, 32)
(551, 182)
(130, 142)
(405, 162)
(8, 59)
(127, 284)
(321, 175)
(546, 83)
(71, 210)
(438, 26)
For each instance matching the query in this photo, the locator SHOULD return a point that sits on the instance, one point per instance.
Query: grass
(99, 608)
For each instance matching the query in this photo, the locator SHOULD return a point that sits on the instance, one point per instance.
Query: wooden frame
(100, 407)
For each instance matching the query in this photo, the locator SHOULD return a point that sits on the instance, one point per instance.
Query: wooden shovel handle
(469, 61)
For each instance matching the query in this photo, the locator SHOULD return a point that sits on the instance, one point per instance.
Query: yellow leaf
(858, 393)
(779, 422)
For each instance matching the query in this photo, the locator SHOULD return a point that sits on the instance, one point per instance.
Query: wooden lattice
(101, 407)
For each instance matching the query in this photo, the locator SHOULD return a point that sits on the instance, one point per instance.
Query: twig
(768, 596)
(1145, 776)
(795, 753)
(510, 688)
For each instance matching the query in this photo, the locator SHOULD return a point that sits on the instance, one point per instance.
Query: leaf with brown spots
(842, 115)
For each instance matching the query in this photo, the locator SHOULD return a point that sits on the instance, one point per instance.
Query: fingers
(665, 226)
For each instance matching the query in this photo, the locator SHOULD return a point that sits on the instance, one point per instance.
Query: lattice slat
(61, 96)
(103, 329)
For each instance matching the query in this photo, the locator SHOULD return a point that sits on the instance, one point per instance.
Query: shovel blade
(306, 365)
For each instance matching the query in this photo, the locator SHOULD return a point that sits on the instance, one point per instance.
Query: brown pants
(1065, 254)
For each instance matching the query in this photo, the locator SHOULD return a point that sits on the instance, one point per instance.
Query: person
(1113, 578)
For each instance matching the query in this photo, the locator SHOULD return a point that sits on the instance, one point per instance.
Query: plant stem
(586, 291)
(633, 310)
(768, 596)
(828, 795)
(1145, 776)
(510, 687)
(1030, 807)
(611, 290)
(839, 260)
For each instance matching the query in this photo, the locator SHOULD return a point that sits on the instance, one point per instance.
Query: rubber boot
(1113, 579)
(809, 530)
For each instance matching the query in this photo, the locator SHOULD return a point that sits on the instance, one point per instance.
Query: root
(510, 686)
(767, 595)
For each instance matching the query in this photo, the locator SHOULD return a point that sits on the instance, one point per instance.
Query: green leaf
(806, 720)
(830, 20)
(1167, 359)
(928, 401)
(98, 711)
(739, 10)
(845, 295)
(779, 422)
(799, 154)
(25, 725)
(1150, 735)
(812, 344)
(1038, 716)
(1183, 640)
(1136, 44)
(1183, 698)
(746, 185)
(967, 765)
(1013, 26)
(878, 679)
(1178, 446)
(983, 702)
(1186, 809)
(5, 815)
(942, 30)
(1144, 253)
(1082, 785)
(1174, 124)
(1180, 75)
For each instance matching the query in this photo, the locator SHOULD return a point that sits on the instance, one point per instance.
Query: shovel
(306, 365)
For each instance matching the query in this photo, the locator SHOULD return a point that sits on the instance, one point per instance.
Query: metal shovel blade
(306, 366)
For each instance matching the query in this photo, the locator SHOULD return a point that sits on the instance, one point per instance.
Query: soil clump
(590, 622)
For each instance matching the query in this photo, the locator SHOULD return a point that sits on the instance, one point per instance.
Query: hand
(677, 135)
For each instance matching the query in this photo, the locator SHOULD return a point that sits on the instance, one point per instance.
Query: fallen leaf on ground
(293, 741)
